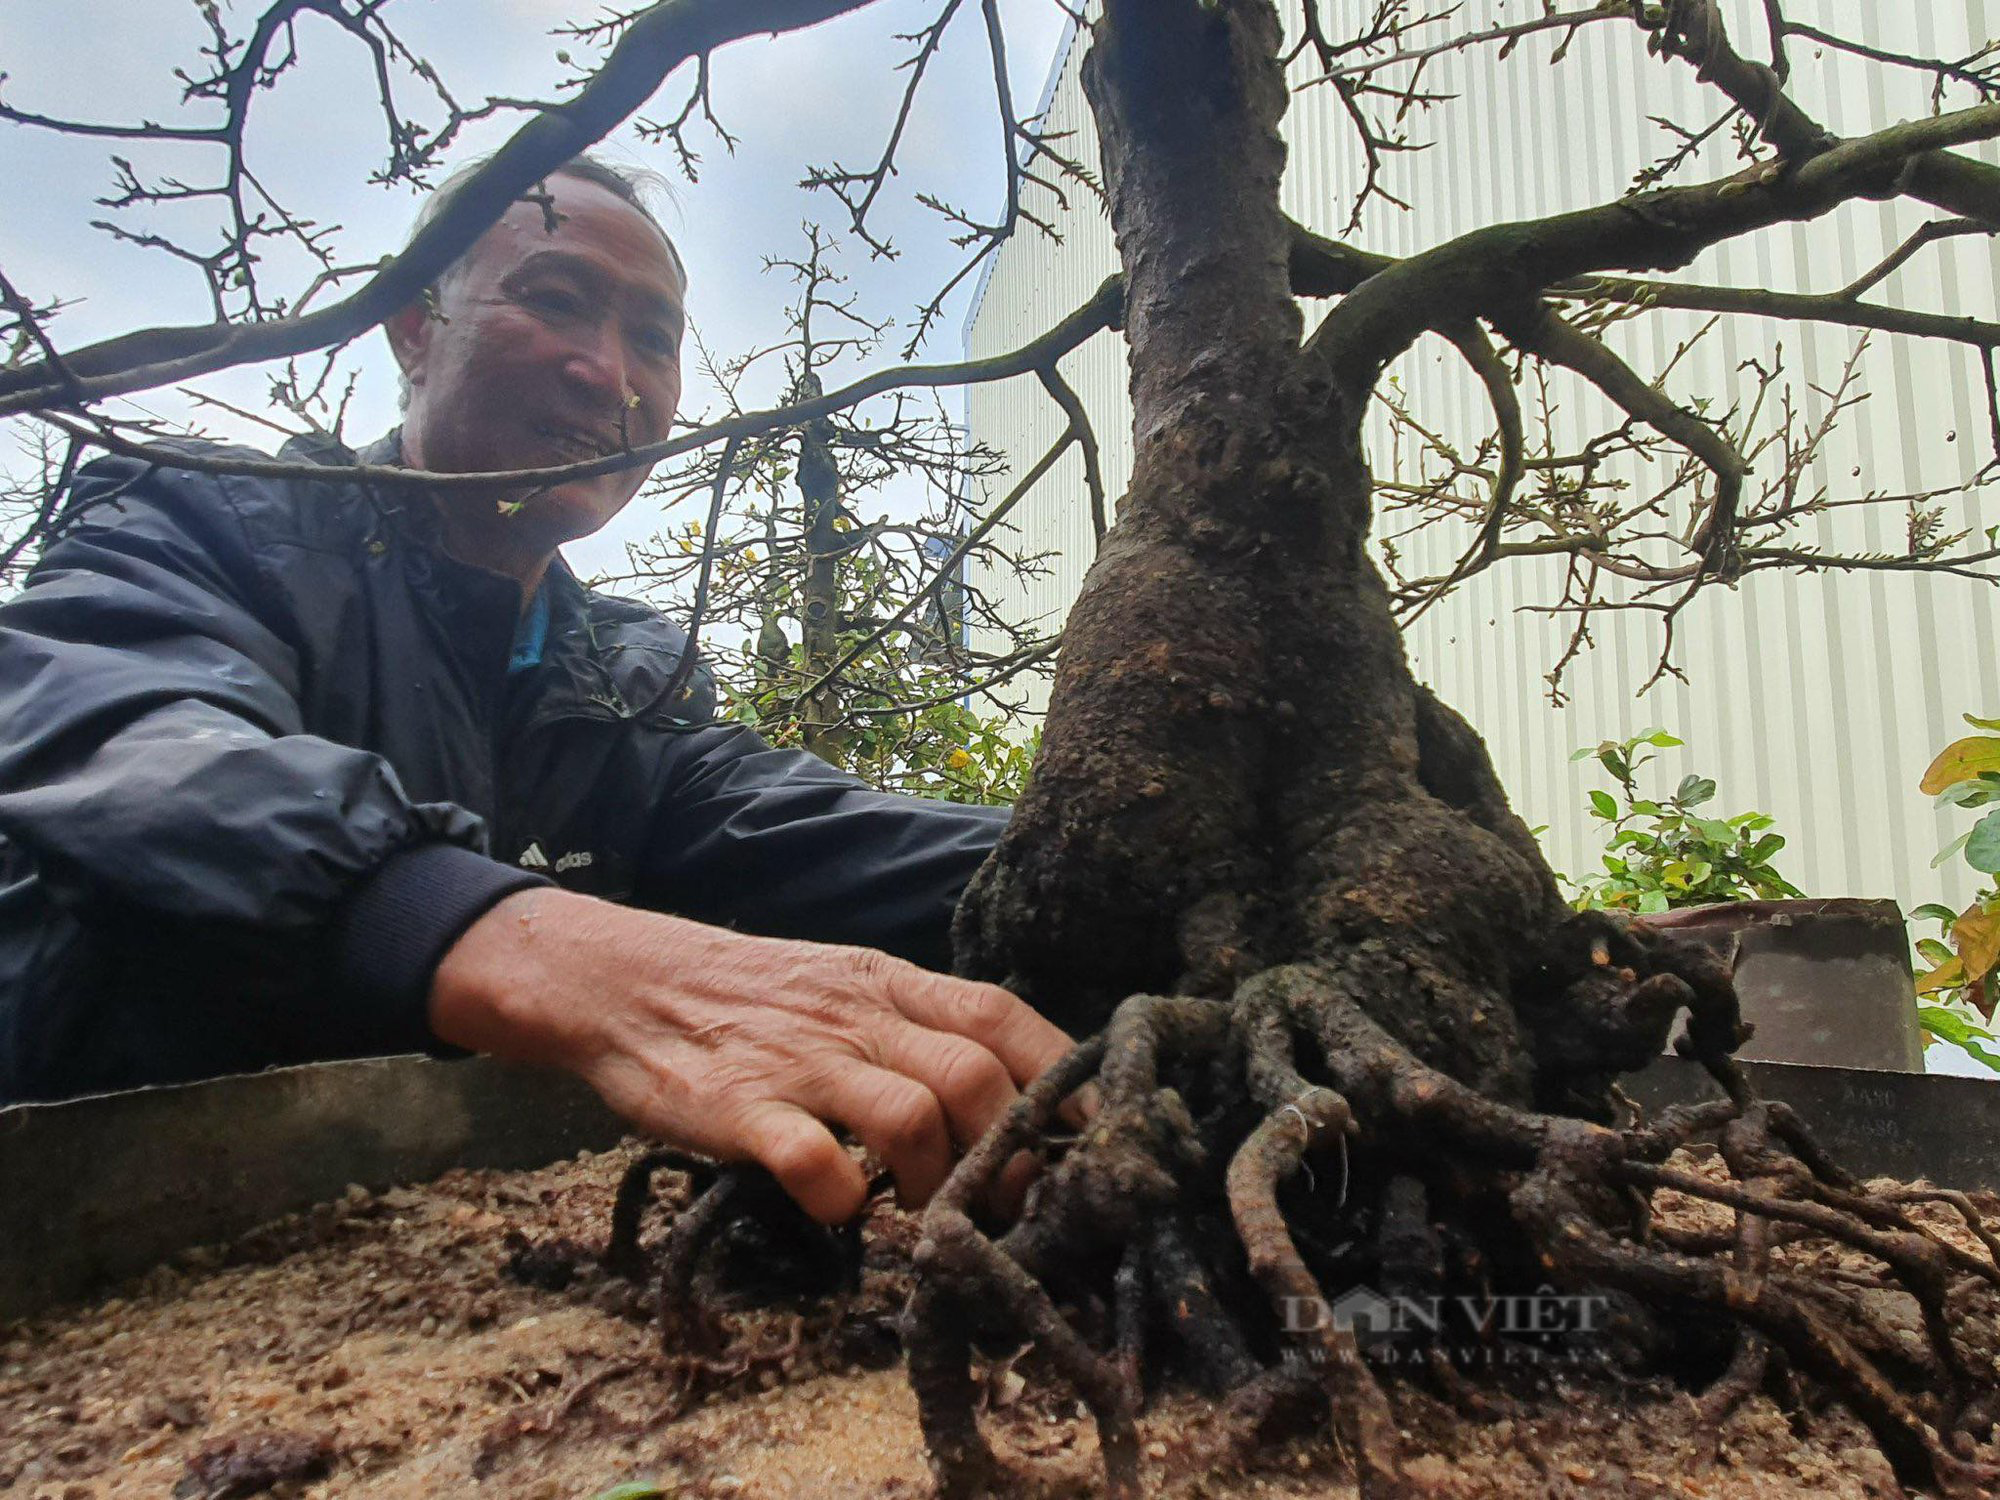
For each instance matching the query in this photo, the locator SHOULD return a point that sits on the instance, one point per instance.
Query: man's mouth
(575, 444)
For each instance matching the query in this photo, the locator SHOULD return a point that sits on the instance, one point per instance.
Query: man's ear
(409, 333)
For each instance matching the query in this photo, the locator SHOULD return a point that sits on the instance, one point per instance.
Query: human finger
(1009, 1192)
(1080, 1108)
(809, 1164)
(894, 1116)
(1007, 1026)
(971, 1083)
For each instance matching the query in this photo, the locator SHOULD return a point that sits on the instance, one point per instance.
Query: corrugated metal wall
(1818, 699)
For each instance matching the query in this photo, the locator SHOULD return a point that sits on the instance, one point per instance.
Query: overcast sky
(814, 98)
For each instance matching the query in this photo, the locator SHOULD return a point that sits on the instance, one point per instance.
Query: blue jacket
(262, 762)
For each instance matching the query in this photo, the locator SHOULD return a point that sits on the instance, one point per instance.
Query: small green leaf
(1931, 911)
(1661, 738)
(1602, 805)
(1950, 849)
(1978, 723)
(1982, 845)
(634, 1489)
(1949, 1026)
(1694, 790)
(1934, 952)
(1715, 830)
(1961, 794)
(1954, 1023)
(1652, 903)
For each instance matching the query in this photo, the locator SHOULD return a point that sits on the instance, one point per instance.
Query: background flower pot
(1823, 981)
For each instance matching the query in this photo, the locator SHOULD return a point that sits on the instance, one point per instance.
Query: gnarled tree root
(1290, 1113)
(697, 1354)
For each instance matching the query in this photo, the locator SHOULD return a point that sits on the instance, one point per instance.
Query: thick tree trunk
(1239, 770)
(1336, 939)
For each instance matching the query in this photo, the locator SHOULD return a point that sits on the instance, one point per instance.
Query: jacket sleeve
(155, 770)
(779, 842)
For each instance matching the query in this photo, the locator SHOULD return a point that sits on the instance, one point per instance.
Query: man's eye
(660, 343)
(553, 302)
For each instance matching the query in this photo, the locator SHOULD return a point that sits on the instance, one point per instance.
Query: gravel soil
(425, 1342)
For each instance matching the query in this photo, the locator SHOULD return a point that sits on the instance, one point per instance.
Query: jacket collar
(603, 657)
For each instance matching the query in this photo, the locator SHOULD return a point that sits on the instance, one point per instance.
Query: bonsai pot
(1826, 982)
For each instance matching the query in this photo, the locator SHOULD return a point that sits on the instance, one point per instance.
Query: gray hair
(635, 185)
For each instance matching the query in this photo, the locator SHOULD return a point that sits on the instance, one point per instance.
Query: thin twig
(684, 670)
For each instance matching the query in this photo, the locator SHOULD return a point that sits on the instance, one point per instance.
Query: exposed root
(1752, 1359)
(1274, 1151)
(1184, 1304)
(1747, 1368)
(545, 1422)
(699, 1352)
(941, 1317)
(1342, 1160)
(622, 1254)
(1553, 1201)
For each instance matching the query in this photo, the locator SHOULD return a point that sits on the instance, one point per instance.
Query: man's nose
(597, 363)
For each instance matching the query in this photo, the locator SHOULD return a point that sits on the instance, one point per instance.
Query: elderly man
(297, 769)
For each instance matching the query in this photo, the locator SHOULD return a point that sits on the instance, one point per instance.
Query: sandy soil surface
(390, 1345)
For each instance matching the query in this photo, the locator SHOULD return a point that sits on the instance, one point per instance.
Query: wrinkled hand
(746, 1048)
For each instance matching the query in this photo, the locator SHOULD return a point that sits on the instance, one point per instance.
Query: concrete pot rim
(98, 1190)
(1721, 916)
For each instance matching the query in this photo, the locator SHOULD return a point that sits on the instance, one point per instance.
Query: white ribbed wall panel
(1817, 698)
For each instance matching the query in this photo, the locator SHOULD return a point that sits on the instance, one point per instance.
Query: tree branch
(1549, 337)
(1693, 29)
(1472, 342)
(1009, 667)
(653, 45)
(1824, 307)
(1101, 312)
(677, 684)
(1506, 267)
(1079, 421)
(957, 555)
(1937, 229)
(1510, 35)
(843, 184)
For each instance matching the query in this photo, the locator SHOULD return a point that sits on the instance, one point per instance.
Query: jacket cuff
(397, 927)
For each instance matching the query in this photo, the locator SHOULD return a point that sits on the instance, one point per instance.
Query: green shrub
(1956, 971)
(1661, 853)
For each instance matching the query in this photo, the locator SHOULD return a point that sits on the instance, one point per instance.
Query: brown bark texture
(819, 488)
(1239, 769)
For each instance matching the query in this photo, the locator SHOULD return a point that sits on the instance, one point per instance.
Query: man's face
(546, 347)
